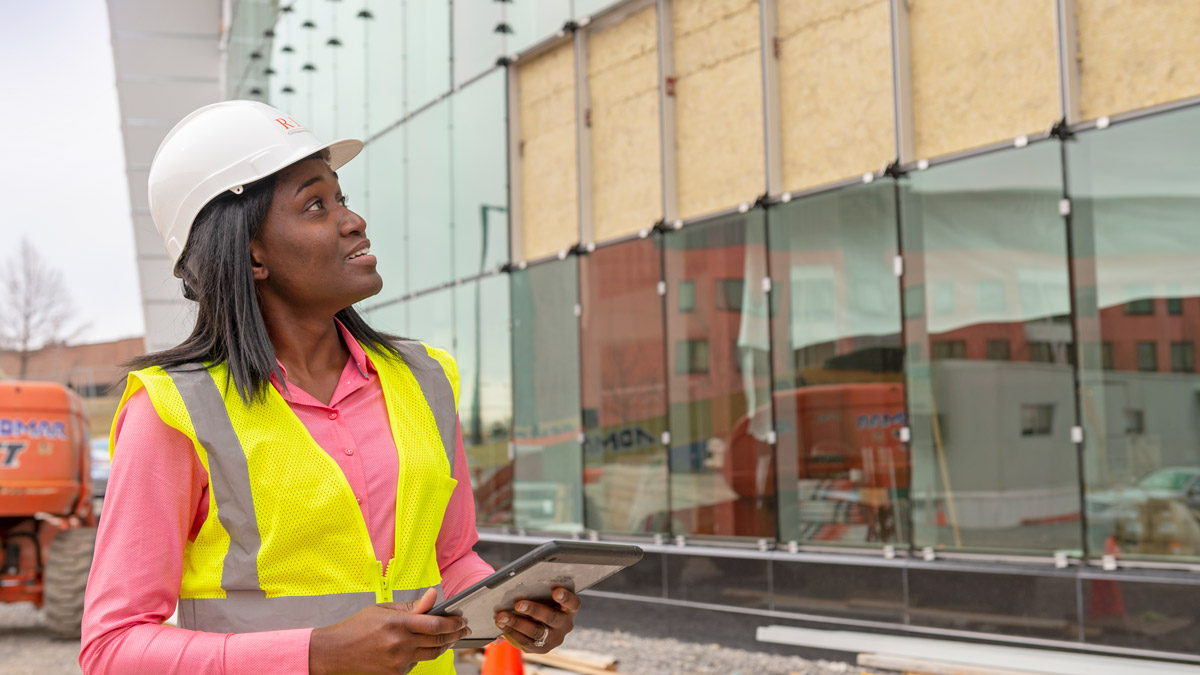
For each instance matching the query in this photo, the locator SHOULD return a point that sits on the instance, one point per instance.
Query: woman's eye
(344, 199)
(316, 206)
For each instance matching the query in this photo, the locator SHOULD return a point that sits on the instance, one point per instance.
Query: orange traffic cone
(501, 658)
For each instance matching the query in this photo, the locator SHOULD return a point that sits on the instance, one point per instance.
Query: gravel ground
(661, 656)
(26, 647)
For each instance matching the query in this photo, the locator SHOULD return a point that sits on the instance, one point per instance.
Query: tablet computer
(574, 565)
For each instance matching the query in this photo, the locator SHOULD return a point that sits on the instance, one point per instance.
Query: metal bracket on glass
(764, 545)
(898, 265)
(680, 540)
(1102, 122)
(889, 551)
(1020, 141)
(1077, 435)
(793, 547)
(928, 554)
(662, 288)
(593, 535)
(1064, 207)
(578, 309)
(582, 438)
(905, 434)
(659, 539)
(1060, 560)
(512, 451)
(666, 438)
(772, 437)
(1108, 562)
(766, 284)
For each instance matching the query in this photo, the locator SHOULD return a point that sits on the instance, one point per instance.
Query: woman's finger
(524, 629)
(539, 612)
(568, 600)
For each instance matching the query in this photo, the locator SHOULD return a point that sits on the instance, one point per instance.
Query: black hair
(216, 273)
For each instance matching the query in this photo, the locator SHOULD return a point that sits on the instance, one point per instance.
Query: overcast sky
(64, 174)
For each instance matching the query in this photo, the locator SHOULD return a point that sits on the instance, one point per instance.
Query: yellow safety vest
(284, 544)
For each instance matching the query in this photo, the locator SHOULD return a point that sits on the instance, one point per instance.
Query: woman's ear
(257, 268)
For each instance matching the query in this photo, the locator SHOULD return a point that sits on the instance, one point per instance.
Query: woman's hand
(538, 628)
(387, 638)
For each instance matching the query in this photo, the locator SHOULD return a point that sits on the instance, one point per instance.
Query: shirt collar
(357, 355)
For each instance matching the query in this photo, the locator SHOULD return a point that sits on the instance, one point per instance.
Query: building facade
(865, 313)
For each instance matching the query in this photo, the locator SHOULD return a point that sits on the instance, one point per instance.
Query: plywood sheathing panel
(835, 89)
(1136, 53)
(626, 160)
(982, 71)
(549, 183)
(719, 109)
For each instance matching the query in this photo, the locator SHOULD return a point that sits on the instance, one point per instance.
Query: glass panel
(532, 21)
(480, 176)
(548, 468)
(722, 474)
(350, 64)
(856, 591)
(431, 320)
(284, 75)
(586, 8)
(1129, 612)
(839, 390)
(427, 39)
(1031, 605)
(320, 76)
(993, 462)
(477, 43)
(484, 354)
(624, 389)
(383, 162)
(735, 582)
(385, 60)
(1136, 242)
(428, 138)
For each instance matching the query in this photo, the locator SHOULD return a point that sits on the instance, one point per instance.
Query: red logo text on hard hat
(288, 123)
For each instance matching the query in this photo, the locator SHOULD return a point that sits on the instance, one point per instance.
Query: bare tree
(35, 308)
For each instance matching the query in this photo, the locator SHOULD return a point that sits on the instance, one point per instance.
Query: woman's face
(312, 252)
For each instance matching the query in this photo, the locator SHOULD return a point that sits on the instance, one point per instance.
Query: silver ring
(541, 642)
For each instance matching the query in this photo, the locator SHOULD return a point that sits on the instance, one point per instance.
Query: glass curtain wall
(721, 461)
(483, 349)
(624, 388)
(989, 356)
(1137, 239)
(838, 366)
(548, 466)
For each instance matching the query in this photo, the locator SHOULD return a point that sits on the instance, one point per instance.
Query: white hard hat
(222, 147)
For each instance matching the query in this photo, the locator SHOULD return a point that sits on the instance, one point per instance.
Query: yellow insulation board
(982, 71)
(719, 113)
(1136, 53)
(835, 89)
(549, 171)
(626, 152)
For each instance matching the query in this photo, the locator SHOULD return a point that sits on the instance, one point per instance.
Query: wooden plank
(920, 666)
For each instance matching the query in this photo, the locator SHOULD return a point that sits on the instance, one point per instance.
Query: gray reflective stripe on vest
(229, 476)
(249, 612)
(438, 392)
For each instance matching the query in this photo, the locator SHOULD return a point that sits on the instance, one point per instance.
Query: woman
(288, 478)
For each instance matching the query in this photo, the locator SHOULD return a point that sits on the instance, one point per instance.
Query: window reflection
(624, 389)
(548, 467)
(722, 475)
(991, 394)
(428, 236)
(1136, 245)
(483, 350)
(839, 396)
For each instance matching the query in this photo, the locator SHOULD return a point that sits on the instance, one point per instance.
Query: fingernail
(560, 595)
(503, 621)
(523, 607)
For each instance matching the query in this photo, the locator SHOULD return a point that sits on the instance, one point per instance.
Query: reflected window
(1183, 357)
(687, 296)
(1147, 356)
(1137, 244)
(480, 176)
(1037, 420)
(691, 357)
(624, 387)
(720, 460)
(990, 471)
(999, 350)
(838, 368)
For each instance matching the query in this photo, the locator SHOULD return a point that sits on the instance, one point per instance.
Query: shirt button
(358, 499)
(349, 451)
(333, 415)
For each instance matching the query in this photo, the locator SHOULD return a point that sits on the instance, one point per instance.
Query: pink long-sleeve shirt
(157, 498)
